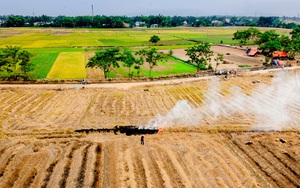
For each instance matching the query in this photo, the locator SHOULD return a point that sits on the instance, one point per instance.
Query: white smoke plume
(273, 106)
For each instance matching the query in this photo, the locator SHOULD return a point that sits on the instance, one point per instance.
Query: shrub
(245, 66)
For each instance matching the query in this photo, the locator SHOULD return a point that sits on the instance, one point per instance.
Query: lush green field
(68, 65)
(43, 59)
(43, 63)
(172, 66)
(49, 45)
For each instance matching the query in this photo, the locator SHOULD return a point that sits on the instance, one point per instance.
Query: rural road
(129, 85)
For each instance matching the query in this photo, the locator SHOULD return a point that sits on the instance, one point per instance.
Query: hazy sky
(151, 7)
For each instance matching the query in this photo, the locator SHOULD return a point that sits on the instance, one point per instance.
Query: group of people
(226, 72)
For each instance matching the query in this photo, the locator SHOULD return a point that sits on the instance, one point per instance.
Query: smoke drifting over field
(272, 106)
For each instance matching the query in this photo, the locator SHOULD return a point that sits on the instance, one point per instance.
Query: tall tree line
(102, 21)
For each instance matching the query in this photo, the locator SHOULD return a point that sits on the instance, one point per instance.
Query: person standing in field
(142, 140)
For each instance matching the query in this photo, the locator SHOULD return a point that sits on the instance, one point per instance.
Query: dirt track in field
(38, 147)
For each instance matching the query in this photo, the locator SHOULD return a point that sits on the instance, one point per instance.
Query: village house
(1, 22)
(140, 24)
(279, 55)
(253, 52)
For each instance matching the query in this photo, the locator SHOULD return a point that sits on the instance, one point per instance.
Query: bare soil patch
(233, 57)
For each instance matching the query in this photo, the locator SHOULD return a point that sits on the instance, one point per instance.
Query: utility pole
(92, 15)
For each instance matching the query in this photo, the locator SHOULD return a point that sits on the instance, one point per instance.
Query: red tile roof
(253, 52)
(279, 54)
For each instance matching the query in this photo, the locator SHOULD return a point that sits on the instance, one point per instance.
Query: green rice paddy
(60, 53)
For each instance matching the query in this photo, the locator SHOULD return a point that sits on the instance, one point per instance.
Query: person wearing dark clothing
(142, 140)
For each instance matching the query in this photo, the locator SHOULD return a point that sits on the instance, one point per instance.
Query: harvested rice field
(243, 131)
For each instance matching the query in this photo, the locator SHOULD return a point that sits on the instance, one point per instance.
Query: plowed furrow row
(4, 147)
(10, 103)
(164, 177)
(28, 103)
(74, 108)
(60, 107)
(179, 95)
(171, 167)
(4, 96)
(109, 165)
(280, 166)
(31, 176)
(81, 174)
(146, 106)
(199, 94)
(201, 97)
(42, 103)
(148, 175)
(8, 156)
(131, 179)
(4, 163)
(287, 159)
(152, 170)
(180, 165)
(141, 106)
(51, 105)
(293, 158)
(113, 110)
(90, 110)
(32, 104)
(131, 105)
(236, 170)
(90, 164)
(17, 103)
(166, 102)
(139, 168)
(199, 166)
(259, 163)
(160, 105)
(65, 175)
(98, 167)
(213, 170)
(132, 113)
(105, 101)
(229, 177)
(138, 109)
(75, 167)
(13, 176)
(59, 166)
(124, 110)
(156, 108)
(49, 172)
(190, 94)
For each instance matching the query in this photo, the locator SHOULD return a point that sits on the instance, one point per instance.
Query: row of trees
(270, 41)
(106, 60)
(124, 21)
(15, 62)
(111, 57)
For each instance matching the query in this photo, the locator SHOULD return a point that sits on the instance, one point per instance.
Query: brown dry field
(232, 56)
(38, 147)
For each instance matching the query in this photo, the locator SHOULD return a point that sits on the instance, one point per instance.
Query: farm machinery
(126, 129)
